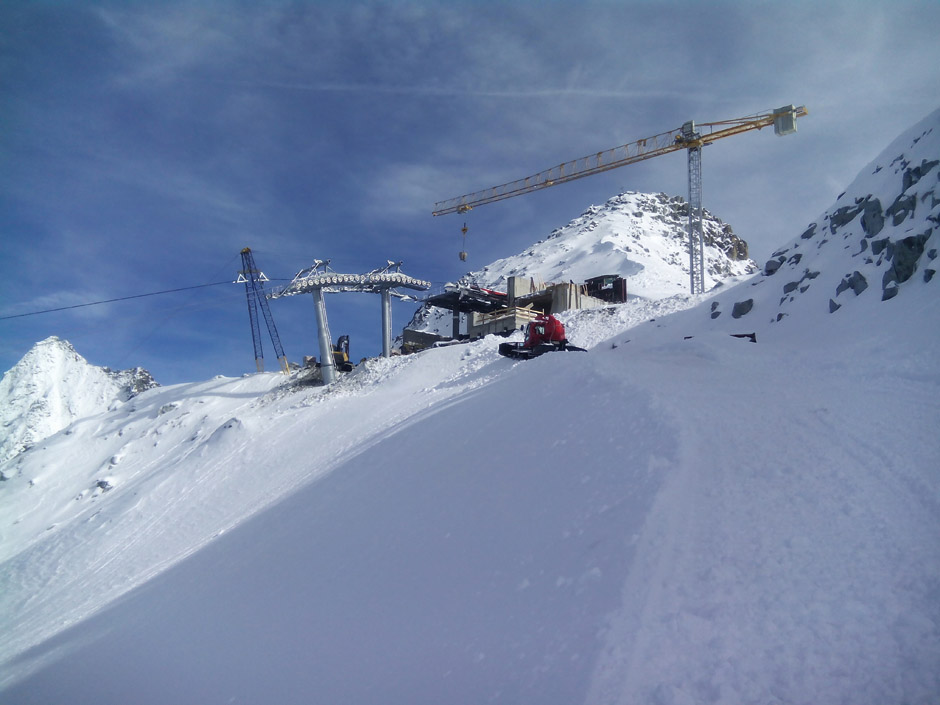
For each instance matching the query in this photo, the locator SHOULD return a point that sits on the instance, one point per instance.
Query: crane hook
(463, 252)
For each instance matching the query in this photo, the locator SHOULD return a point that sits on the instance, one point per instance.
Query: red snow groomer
(545, 334)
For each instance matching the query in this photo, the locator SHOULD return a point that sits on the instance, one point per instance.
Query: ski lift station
(319, 278)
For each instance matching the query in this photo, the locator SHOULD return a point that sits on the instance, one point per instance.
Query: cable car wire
(108, 301)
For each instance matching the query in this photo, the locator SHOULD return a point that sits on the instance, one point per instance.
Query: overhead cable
(109, 301)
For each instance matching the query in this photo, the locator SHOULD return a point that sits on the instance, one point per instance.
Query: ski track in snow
(839, 599)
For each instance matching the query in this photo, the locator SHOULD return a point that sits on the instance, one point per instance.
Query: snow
(677, 516)
(640, 236)
(51, 387)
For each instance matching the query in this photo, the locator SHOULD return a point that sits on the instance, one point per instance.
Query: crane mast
(691, 137)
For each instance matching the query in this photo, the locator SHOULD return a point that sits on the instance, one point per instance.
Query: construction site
(479, 311)
(527, 303)
(482, 311)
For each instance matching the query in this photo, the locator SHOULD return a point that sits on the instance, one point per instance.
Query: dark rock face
(854, 281)
(902, 208)
(886, 232)
(133, 381)
(913, 175)
(773, 265)
(742, 308)
(904, 255)
(873, 219)
(892, 242)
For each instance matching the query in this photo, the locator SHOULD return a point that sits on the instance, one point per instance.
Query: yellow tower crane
(691, 137)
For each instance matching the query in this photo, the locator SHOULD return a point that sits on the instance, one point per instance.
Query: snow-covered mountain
(52, 386)
(640, 236)
(877, 239)
(676, 516)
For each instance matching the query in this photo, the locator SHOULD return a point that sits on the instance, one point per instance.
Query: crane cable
(463, 250)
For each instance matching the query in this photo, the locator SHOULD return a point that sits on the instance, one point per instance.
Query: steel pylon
(254, 280)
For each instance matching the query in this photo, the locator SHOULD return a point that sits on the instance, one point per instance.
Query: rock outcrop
(877, 238)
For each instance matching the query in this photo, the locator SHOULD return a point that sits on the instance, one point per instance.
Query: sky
(143, 145)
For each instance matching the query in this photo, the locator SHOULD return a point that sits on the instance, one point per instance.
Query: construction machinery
(341, 354)
(545, 334)
(338, 358)
(690, 137)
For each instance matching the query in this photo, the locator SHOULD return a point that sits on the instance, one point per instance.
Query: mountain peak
(640, 236)
(52, 386)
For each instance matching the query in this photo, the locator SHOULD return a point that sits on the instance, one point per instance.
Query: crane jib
(783, 119)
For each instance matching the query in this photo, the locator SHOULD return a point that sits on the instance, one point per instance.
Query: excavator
(545, 334)
(341, 354)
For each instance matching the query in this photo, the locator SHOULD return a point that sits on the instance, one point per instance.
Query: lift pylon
(254, 279)
(319, 279)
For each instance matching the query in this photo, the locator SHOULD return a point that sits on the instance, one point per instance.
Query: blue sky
(144, 144)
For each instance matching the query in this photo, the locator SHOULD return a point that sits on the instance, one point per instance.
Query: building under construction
(489, 312)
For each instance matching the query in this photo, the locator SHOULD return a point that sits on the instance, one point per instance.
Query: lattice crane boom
(254, 279)
(691, 137)
(614, 158)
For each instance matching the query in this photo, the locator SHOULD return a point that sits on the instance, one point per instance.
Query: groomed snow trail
(670, 521)
(784, 560)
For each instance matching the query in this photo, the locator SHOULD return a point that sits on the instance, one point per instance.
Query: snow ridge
(640, 236)
(52, 386)
(643, 237)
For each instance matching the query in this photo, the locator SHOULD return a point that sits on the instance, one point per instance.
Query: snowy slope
(677, 516)
(878, 240)
(640, 236)
(51, 386)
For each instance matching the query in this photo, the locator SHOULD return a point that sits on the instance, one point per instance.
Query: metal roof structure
(319, 278)
(466, 299)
